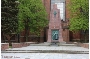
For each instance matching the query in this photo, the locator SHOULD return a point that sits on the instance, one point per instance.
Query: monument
(55, 29)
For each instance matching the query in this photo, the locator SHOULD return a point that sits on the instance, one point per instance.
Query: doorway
(55, 34)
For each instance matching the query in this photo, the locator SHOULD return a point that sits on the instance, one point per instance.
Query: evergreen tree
(9, 23)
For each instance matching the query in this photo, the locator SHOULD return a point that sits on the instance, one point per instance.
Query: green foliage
(79, 11)
(32, 14)
(9, 16)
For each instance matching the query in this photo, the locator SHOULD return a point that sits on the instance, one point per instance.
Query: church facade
(57, 29)
(63, 33)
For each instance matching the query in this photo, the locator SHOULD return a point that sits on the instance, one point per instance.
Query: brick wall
(47, 6)
(67, 10)
(85, 45)
(4, 46)
(65, 35)
(19, 45)
(76, 35)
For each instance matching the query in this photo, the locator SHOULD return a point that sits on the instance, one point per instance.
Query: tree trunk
(85, 36)
(26, 30)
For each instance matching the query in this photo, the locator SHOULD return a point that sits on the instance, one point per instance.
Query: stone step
(67, 44)
(41, 44)
(52, 44)
(46, 51)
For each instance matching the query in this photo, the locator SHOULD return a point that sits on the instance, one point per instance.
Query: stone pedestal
(55, 26)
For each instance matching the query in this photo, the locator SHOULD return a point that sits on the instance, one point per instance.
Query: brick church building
(57, 30)
(67, 35)
(64, 18)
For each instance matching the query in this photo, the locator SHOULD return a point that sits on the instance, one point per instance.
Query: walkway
(46, 52)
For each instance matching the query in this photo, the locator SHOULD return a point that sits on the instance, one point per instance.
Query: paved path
(73, 48)
(45, 55)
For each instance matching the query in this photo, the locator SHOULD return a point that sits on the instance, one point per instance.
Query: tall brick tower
(55, 29)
